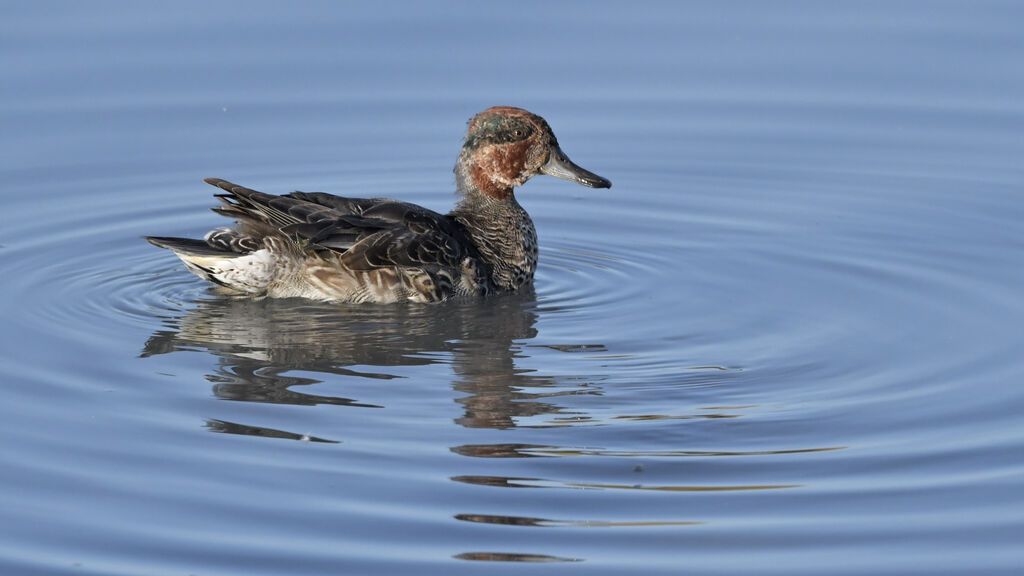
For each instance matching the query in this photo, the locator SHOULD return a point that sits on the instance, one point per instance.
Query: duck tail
(249, 273)
(186, 246)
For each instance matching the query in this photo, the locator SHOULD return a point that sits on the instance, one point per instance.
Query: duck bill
(559, 166)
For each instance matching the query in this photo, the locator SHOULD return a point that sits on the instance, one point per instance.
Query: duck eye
(518, 133)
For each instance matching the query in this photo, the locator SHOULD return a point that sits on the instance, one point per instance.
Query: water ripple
(530, 451)
(515, 482)
(694, 365)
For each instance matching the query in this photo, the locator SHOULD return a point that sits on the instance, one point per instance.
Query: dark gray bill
(560, 166)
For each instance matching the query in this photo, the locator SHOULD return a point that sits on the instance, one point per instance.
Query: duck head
(507, 146)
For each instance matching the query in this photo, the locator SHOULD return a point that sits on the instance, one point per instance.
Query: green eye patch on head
(498, 130)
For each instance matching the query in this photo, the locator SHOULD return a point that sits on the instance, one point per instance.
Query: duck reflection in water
(261, 344)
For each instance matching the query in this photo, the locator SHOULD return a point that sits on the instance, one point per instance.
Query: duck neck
(498, 226)
(472, 179)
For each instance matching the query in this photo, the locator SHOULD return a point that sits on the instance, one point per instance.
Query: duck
(323, 247)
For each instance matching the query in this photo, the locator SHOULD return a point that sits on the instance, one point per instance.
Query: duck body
(325, 247)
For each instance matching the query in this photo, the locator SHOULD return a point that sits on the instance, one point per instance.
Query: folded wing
(364, 233)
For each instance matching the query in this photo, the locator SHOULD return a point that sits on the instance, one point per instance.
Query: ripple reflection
(536, 451)
(512, 557)
(547, 523)
(261, 345)
(510, 482)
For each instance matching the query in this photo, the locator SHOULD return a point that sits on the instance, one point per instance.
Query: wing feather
(367, 233)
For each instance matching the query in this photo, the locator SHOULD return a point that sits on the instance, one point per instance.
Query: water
(787, 341)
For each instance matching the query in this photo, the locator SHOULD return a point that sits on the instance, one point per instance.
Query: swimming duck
(325, 247)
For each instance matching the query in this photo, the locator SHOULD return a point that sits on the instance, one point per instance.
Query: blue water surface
(786, 341)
